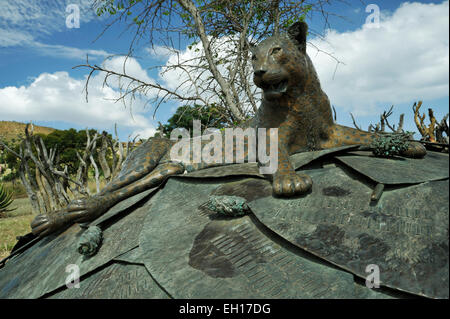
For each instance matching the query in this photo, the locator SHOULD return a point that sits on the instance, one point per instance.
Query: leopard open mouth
(279, 87)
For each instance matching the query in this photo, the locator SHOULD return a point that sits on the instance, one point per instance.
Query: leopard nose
(259, 72)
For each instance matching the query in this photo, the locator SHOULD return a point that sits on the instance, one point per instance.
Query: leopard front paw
(77, 210)
(291, 184)
(45, 224)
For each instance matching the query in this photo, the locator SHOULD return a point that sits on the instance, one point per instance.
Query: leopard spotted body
(293, 102)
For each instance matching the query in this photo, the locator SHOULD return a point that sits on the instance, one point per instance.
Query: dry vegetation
(12, 130)
(17, 222)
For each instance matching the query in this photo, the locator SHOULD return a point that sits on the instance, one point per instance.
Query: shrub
(5, 199)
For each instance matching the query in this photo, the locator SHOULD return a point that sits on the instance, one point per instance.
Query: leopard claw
(45, 224)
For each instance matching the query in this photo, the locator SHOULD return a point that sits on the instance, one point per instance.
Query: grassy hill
(12, 130)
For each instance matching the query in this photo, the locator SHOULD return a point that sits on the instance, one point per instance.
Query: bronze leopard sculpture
(293, 102)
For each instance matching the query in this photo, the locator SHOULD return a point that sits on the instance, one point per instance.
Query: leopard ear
(298, 32)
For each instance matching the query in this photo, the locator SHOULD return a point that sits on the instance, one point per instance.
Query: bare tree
(115, 147)
(433, 133)
(221, 32)
(441, 128)
(381, 126)
(49, 185)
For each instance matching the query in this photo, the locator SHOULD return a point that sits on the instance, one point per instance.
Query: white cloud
(55, 50)
(407, 58)
(144, 132)
(59, 97)
(25, 23)
(12, 38)
(131, 68)
(161, 53)
(195, 68)
(41, 17)
(173, 77)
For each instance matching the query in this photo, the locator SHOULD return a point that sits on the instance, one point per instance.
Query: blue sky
(403, 60)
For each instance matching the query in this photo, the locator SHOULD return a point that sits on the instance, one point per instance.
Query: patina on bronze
(304, 247)
(405, 233)
(41, 269)
(219, 257)
(293, 102)
(315, 244)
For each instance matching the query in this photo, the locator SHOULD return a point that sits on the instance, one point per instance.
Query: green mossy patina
(90, 241)
(389, 145)
(168, 243)
(228, 205)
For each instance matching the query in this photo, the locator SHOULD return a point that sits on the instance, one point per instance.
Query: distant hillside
(12, 130)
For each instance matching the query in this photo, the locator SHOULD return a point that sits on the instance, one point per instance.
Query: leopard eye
(276, 50)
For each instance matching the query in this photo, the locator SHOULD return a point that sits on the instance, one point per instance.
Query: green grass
(13, 224)
(19, 207)
(17, 189)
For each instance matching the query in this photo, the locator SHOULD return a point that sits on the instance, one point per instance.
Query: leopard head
(280, 63)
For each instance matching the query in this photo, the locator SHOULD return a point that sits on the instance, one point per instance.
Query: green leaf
(5, 198)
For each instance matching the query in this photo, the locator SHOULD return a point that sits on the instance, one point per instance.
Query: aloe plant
(5, 199)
